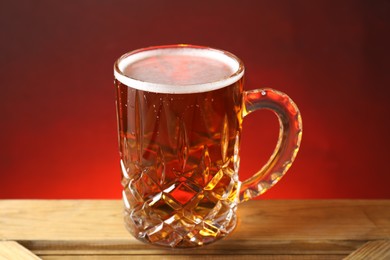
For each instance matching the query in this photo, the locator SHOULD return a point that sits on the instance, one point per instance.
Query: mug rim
(173, 89)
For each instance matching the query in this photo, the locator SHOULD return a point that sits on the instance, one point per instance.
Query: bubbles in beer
(182, 165)
(178, 70)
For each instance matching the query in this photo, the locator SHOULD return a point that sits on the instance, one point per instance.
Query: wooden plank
(271, 227)
(12, 250)
(372, 250)
(62, 219)
(43, 248)
(97, 220)
(186, 257)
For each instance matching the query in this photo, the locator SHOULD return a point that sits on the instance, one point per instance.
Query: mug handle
(290, 135)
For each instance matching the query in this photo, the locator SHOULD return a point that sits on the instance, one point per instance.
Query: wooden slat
(66, 220)
(187, 257)
(312, 228)
(372, 250)
(238, 248)
(12, 250)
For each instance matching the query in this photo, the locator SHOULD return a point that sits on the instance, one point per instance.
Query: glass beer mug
(180, 110)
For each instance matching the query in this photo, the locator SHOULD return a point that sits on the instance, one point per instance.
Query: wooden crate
(271, 229)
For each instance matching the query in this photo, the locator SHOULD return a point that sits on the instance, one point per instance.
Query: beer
(180, 110)
(179, 150)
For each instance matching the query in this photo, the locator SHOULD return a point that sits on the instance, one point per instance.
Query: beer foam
(178, 69)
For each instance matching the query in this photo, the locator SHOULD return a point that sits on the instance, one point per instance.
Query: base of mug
(178, 232)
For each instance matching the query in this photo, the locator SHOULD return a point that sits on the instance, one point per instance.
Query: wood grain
(372, 250)
(185, 257)
(12, 250)
(299, 229)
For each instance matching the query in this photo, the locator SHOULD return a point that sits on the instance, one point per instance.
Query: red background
(57, 114)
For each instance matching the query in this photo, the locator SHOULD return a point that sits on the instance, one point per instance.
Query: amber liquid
(179, 161)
